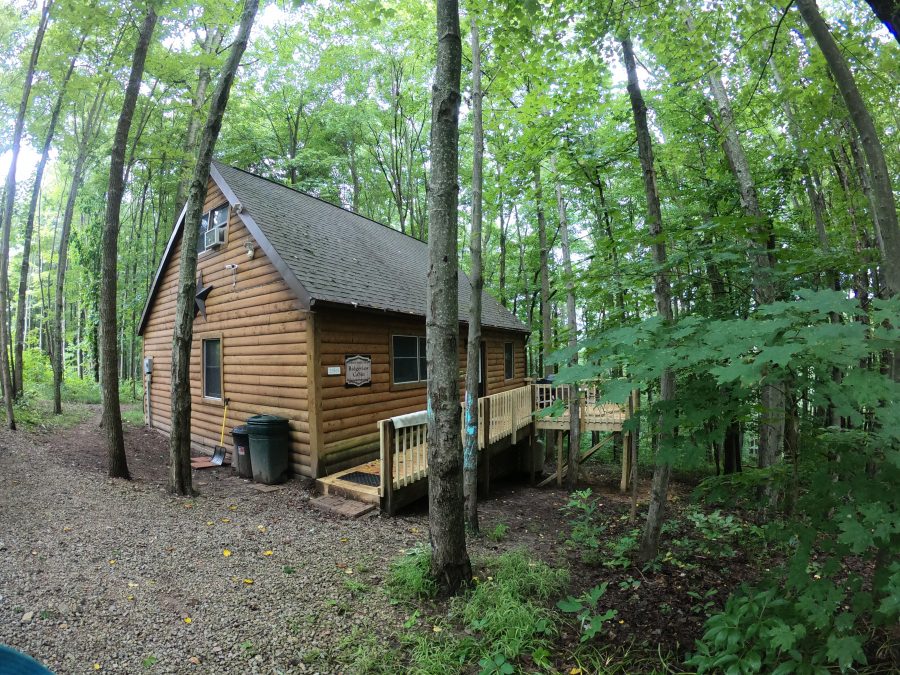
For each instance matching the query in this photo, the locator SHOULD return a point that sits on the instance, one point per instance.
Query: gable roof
(329, 255)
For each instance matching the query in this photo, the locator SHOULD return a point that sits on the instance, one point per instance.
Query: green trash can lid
(266, 420)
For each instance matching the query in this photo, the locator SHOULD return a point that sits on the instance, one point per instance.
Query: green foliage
(496, 665)
(410, 576)
(498, 533)
(586, 608)
(586, 530)
(506, 606)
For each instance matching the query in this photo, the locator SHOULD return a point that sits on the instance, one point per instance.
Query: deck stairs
(399, 475)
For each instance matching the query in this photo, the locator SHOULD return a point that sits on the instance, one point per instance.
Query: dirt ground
(117, 576)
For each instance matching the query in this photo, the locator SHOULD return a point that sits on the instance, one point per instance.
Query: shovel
(218, 456)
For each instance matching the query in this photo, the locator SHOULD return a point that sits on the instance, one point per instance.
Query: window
(509, 361)
(409, 364)
(212, 228)
(212, 368)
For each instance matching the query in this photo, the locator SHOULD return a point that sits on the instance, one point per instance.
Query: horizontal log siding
(349, 415)
(264, 344)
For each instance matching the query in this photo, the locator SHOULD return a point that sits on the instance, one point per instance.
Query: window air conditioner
(213, 237)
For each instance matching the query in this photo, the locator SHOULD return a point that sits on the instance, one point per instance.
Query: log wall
(349, 415)
(264, 344)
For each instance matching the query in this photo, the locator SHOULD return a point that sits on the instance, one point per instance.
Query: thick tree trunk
(450, 564)
(473, 348)
(180, 435)
(662, 294)
(21, 299)
(117, 463)
(6, 221)
(572, 322)
(883, 195)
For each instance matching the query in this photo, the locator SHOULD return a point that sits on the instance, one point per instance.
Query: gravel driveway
(116, 576)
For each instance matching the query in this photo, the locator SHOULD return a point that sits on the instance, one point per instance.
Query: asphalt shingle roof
(341, 257)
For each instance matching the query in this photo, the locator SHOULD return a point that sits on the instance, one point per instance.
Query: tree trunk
(888, 12)
(572, 321)
(62, 261)
(6, 221)
(546, 368)
(450, 564)
(109, 371)
(213, 39)
(762, 244)
(180, 434)
(473, 349)
(885, 215)
(19, 333)
(662, 294)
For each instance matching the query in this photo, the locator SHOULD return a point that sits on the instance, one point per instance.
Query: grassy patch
(133, 414)
(409, 577)
(37, 414)
(506, 609)
(504, 616)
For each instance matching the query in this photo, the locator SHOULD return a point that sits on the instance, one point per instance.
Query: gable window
(508, 360)
(212, 368)
(212, 229)
(408, 362)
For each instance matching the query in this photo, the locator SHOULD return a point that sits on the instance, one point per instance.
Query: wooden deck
(504, 420)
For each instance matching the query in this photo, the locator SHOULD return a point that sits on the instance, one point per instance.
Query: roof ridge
(319, 199)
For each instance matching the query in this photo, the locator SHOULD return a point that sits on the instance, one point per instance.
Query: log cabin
(311, 312)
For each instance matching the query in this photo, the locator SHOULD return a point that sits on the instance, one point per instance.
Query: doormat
(362, 478)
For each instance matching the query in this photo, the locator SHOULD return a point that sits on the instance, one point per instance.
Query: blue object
(17, 663)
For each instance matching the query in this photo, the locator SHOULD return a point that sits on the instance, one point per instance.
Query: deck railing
(404, 447)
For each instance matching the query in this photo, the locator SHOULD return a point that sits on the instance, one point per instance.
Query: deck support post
(559, 458)
(628, 451)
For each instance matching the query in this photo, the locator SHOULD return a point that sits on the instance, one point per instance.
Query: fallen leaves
(225, 520)
(112, 561)
(261, 528)
(188, 620)
(226, 553)
(268, 553)
(195, 660)
(248, 581)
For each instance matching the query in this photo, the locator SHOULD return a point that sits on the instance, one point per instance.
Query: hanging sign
(358, 370)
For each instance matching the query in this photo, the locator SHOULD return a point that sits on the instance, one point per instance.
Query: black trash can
(241, 456)
(269, 442)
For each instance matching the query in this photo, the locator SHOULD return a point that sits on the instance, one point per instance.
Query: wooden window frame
(400, 386)
(211, 400)
(512, 362)
(224, 245)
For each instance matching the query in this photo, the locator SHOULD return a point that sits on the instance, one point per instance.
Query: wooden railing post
(386, 429)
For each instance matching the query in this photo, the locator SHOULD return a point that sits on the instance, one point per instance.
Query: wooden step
(339, 506)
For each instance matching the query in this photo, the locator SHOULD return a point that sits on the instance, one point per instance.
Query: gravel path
(117, 576)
